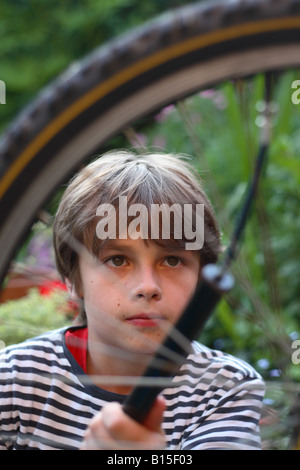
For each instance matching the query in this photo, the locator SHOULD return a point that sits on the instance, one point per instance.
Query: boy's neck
(101, 364)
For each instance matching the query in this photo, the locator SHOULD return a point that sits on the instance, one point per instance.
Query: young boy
(131, 236)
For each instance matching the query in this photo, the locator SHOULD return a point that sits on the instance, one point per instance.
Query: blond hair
(147, 179)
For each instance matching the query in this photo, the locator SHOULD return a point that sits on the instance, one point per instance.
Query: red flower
(50, 286)
(71, 307)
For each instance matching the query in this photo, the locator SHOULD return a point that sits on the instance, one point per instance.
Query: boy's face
(136, 292)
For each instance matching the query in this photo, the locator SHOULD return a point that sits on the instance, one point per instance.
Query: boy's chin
(145, 347)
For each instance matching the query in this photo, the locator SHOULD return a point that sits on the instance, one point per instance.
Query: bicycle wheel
(181, 52)
(172, 58)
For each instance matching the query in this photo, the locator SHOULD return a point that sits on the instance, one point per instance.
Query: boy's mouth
(145, 320)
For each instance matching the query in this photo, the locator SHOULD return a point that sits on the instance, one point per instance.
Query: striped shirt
(215, 403)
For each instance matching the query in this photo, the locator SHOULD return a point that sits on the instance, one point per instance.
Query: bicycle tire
(183, 51)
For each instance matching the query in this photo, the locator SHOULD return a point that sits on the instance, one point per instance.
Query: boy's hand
(113, 429)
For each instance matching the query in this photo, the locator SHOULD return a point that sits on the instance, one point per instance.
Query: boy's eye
(116, 261)
(172, 261)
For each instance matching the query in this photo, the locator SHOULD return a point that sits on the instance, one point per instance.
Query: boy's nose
(147, 285)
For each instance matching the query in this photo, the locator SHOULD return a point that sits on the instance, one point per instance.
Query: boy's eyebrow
(115, 244)
(120, 245)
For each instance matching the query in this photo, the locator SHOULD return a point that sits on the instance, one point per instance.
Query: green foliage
(32, 316)
(39, 38)
(217, 127)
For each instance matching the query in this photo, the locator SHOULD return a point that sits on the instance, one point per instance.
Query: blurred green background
(40, 38)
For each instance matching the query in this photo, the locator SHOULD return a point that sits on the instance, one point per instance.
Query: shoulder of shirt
(211, 358)
(49, 341)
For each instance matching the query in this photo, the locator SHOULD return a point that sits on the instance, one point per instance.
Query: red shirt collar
(76, 341)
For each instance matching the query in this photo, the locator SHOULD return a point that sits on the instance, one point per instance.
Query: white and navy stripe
(214, 404)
